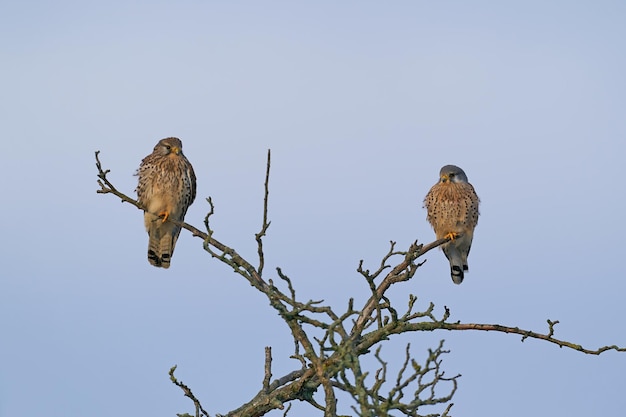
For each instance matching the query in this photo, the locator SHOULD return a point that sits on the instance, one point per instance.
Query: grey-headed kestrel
(167, 187)
(452, 206)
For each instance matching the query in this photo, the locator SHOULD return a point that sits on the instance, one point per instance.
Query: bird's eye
(168, 147)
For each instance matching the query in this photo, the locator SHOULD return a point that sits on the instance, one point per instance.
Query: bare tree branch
(259, 236)
(199, 410)
(268, 369)
(332, 360)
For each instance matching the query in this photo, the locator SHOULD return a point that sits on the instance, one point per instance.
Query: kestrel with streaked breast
(166, 189)
(452, 206)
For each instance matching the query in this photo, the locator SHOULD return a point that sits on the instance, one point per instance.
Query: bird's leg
(451, 235)
(165, 215)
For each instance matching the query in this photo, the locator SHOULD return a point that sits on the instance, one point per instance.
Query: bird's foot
(165, 215)
(451, 235)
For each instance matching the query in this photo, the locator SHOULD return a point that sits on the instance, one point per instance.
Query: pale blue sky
(361, 103)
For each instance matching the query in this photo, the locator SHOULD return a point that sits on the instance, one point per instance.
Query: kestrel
(167, 187)
(452, 206)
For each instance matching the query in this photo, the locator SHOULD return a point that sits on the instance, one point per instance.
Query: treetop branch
(330, 357)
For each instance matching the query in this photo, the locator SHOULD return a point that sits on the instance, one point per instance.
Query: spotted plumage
(166, 189)
(452, 206)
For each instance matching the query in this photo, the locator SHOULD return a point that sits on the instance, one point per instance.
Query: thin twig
(367, 341)
(199, 410)
(259, 236)
(534, 335)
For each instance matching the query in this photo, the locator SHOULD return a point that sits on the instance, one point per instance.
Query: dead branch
(259, 236)
(333, 361)
(199, 410)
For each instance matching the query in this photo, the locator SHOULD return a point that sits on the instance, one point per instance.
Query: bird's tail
(161, 242)
(458, 265)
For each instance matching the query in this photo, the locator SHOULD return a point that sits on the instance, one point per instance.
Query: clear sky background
(361, 103)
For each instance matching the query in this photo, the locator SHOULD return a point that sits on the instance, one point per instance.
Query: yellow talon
(165, 215)
(451, 235)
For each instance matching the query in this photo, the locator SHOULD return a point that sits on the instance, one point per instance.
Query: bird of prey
(452, 206)
(166, 189)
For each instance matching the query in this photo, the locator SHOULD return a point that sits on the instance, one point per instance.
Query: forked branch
(333, 360)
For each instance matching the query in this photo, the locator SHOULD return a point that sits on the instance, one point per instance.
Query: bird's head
(452, 173)
(169, 146)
